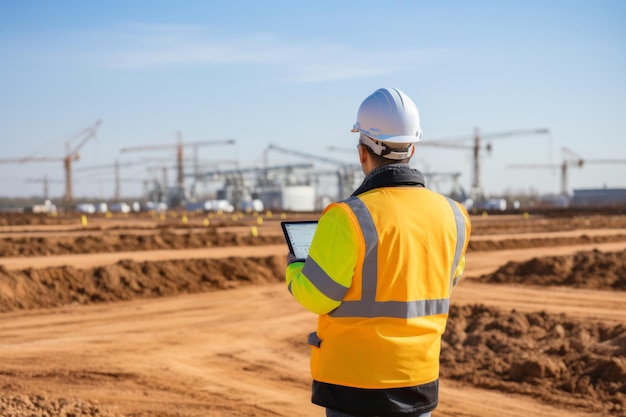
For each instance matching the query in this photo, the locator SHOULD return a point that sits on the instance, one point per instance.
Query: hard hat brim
(391, 138)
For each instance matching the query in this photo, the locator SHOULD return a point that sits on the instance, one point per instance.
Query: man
(379, 273)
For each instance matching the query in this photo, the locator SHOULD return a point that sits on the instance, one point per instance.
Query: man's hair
(380, 160)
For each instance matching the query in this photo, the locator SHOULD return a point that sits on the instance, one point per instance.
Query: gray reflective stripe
(323, 281)
(460, 241)
(368, 306)
(393, 309)
(370, 261)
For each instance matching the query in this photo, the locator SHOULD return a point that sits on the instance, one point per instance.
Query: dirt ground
(187, 315)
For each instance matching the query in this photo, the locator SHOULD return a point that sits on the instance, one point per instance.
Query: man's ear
(363, 154)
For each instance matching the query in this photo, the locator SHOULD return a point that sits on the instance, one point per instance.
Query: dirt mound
(559, 360)
(41, 406)
(492, 224)
(22, 219)
(491, 245)
(535, 223)
(590, 269)
(127, 280)
(42, 246)
(167, 240)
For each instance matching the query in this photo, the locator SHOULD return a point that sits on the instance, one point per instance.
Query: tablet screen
(299, 235)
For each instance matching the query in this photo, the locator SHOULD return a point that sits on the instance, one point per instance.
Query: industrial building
(600, 197)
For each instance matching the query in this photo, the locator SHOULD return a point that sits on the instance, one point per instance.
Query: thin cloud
(145, 47)
(148, 47)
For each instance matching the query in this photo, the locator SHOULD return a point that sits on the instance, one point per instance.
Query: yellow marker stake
(83, 220)
(283, 216)
(526, 215)
(205, 222)
(254, 232)
(259, 220)
(268, 214)
(184, 219)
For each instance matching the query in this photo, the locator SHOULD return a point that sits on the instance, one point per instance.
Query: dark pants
(333, 413)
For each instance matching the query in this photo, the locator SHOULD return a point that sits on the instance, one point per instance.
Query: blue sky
(294, 73)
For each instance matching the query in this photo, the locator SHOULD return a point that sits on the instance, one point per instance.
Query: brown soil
(127, 280)
(40, 406)
(42, 246)
(221, 336)
(568, 363)
(593, 269)
(173, 237)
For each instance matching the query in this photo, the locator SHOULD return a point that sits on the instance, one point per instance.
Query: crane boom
(571, 159)
(564, 167)
(604, 161)
(219, 172)
(310, 156)
(179, 145)
(176, 145)
(86, 134)
(89, 133)
(345, 174)
(30, 159)
(476, 192)
(515, 132)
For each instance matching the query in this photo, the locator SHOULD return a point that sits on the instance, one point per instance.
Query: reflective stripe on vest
(460, 241)
(367, 306)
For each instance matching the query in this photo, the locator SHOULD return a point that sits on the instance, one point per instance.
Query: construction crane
(71, 155)
(570, 160)
(179, 158)
(457, 191)
(116, 173)
(45, 181)
(198, 165)
(476, 191)
(345, 173)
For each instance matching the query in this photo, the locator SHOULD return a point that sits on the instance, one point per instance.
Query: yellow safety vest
(379, 273)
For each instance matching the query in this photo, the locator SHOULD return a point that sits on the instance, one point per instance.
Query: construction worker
(379, 273)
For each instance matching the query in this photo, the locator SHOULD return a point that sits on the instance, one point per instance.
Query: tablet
(299, 235)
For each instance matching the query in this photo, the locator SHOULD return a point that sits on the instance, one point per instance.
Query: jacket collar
(393, 175)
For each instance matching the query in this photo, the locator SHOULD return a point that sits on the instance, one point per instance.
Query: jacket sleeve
(320, 282)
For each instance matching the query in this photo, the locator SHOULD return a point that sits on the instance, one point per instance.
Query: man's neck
(380, 168)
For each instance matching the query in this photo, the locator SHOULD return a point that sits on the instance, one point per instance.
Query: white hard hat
(388, 118)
